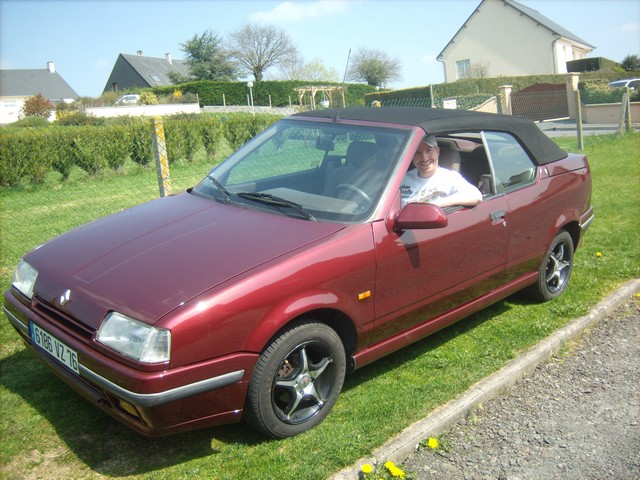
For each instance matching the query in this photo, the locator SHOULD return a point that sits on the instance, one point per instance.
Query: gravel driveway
(575, 417)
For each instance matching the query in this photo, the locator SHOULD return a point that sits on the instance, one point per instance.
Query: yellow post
(578, 111)
(162, 162)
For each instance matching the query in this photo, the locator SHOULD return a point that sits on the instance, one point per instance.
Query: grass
(48, 431)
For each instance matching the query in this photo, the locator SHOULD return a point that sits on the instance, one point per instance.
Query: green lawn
(48, 431)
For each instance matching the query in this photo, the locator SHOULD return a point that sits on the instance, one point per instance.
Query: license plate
(54, 347)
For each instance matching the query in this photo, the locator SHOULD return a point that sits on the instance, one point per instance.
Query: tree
(296, 68)
(631, 63)
(207, 59)
(374, 67)
(479, 70)
(259, 47)
(37, 106)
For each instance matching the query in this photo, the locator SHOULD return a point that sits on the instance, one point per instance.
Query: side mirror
(420, 216)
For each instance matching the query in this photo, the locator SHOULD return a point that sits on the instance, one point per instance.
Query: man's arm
(466, 198)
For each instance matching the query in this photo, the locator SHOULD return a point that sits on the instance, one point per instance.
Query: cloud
(625, 28)
(292, 12)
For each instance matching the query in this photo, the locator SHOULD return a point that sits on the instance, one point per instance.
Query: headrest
(359, 152)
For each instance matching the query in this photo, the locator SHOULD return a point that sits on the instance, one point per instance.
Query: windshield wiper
(219, 186)
(269, 199)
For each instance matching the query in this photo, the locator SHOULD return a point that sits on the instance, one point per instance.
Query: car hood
(148, 260)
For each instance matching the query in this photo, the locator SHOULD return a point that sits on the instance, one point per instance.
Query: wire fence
(32, 213)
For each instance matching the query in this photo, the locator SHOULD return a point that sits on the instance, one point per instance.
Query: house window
(463, 68)
(155, 78)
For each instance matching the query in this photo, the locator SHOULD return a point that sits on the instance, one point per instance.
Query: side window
(511, 163)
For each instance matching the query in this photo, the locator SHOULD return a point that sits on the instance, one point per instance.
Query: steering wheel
(353, 189)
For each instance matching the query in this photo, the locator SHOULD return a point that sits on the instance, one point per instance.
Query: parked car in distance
(632, 83)
(129, 99)
(293, 263)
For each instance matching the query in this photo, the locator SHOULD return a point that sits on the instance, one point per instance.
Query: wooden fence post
(162, 162)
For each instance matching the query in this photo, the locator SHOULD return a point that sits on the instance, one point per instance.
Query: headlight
(135, 339)
(25, 279)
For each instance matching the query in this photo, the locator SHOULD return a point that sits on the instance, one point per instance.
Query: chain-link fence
(54, 180)
(57, 194)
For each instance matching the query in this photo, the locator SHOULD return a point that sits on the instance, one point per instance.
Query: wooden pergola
(328, 93)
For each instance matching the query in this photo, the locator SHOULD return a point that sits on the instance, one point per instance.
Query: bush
(239, 128)
(142, 151)
(37, 106)
(30, 122)
(148, 98)
(212, 134)
(76, 117)
(24, 154)
(183, 137)
(28, 154)
(274, 93)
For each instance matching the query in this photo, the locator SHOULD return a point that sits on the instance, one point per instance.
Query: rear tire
(296, 380)
(555, 271)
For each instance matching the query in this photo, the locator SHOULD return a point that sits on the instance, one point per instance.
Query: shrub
(62, 157)
(30, 122)
(24, 154)
(142, 151)
(37, 106)
(212, 134)
(76, 117)
(148, 98)
(182, 134)
(28, 154)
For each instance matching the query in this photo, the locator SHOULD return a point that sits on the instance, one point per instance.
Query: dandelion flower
(432, 443)
(367, 468)
(598, 254)
(393, 470)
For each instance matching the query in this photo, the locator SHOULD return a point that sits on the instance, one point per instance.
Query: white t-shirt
(442, 183)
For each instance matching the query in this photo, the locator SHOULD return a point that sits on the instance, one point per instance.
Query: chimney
(139, 52)
(51, 67)
(169, 59)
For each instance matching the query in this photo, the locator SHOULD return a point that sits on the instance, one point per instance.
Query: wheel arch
(271, 326)
(573, 228)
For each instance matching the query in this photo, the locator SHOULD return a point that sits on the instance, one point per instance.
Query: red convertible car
(294, 262)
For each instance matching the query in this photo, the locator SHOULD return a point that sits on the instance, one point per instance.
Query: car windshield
(317, 171)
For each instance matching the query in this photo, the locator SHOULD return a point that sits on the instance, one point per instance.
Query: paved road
(567, 128)
(575, 417)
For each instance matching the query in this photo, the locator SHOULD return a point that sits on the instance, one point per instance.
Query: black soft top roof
(440, 121)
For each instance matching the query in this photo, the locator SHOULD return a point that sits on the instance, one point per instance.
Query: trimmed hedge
(276, 93)
(482, 88)
(29, 154)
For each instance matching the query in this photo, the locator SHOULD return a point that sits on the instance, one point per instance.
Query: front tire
(555, 270)
(296, 380)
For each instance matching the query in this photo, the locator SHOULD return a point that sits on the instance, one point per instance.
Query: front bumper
(152, 403)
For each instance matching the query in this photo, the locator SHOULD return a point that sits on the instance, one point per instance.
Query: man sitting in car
(429, 183)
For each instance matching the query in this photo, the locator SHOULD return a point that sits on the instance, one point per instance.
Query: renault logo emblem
(64, 298)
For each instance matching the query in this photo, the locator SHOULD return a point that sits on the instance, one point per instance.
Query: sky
(84, 37)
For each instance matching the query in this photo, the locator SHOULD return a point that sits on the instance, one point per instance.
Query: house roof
(155, 71)
(533, 15)
(550, 24)
(26, 83)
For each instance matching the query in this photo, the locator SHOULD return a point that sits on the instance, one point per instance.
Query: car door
(424, 273)
(529, 214)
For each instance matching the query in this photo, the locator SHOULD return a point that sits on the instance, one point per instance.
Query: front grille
(62, 320)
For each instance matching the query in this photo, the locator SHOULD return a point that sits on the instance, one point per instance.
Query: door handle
(497, 215)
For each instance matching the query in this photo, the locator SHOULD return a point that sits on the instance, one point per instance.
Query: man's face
(426, 160)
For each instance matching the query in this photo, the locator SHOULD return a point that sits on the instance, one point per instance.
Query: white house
(506, 38)
(16, 86)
